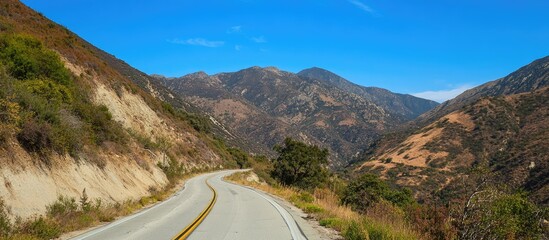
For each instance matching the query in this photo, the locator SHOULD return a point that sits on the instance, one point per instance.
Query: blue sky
(433, 49)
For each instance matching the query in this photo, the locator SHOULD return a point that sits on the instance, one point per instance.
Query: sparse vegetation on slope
(502, 140)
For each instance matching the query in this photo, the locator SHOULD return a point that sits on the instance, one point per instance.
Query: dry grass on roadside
(382, 221)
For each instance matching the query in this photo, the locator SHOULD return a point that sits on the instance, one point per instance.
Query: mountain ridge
(527, 78)
(309, 109)
(403, 104)
(500, 126)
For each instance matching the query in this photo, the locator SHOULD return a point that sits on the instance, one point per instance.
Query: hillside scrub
(47, 108)
(198, 122)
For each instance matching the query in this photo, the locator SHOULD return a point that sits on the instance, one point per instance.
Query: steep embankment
(72, 120)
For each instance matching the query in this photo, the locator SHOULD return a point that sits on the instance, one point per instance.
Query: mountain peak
(268, 68)
(315, 69)
(199, 74)
(272, 69)
(322, 74)
(154, 75)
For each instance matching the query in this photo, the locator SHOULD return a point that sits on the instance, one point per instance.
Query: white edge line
(296, 233)
(123, 220)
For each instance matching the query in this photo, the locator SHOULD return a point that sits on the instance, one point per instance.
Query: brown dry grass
(382, 221)
(461, 118)
(411, 152)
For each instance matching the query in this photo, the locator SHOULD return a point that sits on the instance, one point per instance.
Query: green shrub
(63, 206)
(335, 223)
(34, 136)
(100, 122)
(306, 197)
(492, 214)
(311, 208)
(42, 228)
(516, 216)
(55, 94)
(5, 223)
(85, 204)
(26, 58)
(9, 119)
(355, 231)
(198, 122)
(368, 189)
(240, 157)
(173, 169)
(85, 219)
(37, 107)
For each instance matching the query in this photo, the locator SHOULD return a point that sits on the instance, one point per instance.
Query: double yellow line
(189, 229)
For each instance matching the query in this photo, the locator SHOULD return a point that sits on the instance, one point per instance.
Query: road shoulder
(308, 225)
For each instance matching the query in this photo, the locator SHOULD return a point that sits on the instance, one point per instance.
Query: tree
(240, 157)
(300, 165)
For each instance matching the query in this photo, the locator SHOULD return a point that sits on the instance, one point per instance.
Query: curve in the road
(189, 229)
(209, 208)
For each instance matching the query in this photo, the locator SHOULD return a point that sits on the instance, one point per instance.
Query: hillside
(265, 105)
(75, 118)
(408, 106)
(526, 79)
(507, 134)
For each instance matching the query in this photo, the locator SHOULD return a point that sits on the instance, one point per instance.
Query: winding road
(210, 208)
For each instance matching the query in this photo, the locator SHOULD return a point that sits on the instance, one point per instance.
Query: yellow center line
(184, 234)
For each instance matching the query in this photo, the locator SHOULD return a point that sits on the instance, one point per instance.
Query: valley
(258, 152)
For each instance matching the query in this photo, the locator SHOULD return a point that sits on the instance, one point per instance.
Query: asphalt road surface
(238, 213)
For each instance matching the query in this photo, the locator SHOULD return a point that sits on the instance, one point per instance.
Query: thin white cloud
(259, 39)
(443, 95)
(198, 42)
(237, 47)
(235, 29)
(362, 6)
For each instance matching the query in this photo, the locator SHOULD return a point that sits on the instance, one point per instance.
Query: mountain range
(265, 105)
